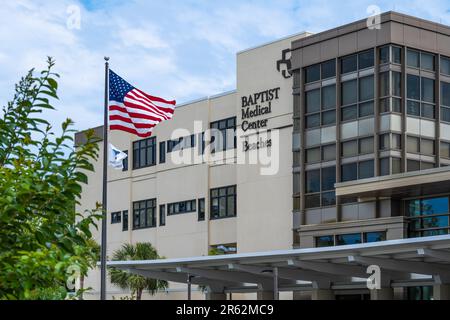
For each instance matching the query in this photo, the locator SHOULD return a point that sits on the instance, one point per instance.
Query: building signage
(255, 105)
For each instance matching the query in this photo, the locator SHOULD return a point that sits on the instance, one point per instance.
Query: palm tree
(136, 283)
(93, 252)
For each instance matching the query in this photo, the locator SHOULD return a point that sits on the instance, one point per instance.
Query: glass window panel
(384, 54)
(324, 241)
(328, 199)
(350, 148)
(385, 105)
(222, 192)
(396, 165)
(427, 61)
(312, 100)
(413, 108)
(328, 178)
(413, 87)
(445, 149)
(396, 141)
(349, 172)
(328, 117)
(349, 64)
(366, 145)
(427, 111)
(384, 166)
(445, 93)
(434, 206)
(366, 59)
(412, 144)
(396, 105)
(312, 201)
(313, 155)
(328, 69)
(396, 84)
(349, 113)
(222, 207)
(312, 181)
(426, 165)
(349, 92)
(345, 239)
(231, 210)
(329, 152)
(374, 236)
(384, 84)
(312, 73)
(445, 65)
(397, 55)
(445, 114)
(435, 222)
(427, 147)
(427, 90)
(329, 97)
(366, 109)
(366, 169)
(366, 88)
(413, 58)
(313, 120)
(413, 165)
(385, 141)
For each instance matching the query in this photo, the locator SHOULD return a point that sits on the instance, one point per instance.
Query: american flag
(134, 111)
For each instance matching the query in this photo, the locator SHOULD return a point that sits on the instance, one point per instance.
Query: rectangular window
(445, 150)
(445, 94)
(345, 239)
(324, 241)
(226, 134)
(312, 121)
(312, 201)
(445, 66)
(412, 144)
(366, 88)
(329, 69)
(445, 114)
(427, 147)
(397, 55)
(396, 165)
(349, 113)
(427, 61)
(223, 202)
(366, 145)
(349, 92)
(365, 109)
(312, 73)
(181, 207)
(144, 153)
(329, 97)
(396, 141)
(413, 58)
(312, 101)
(384, 55)
(365, 169)
(396, 84)
(349, 148)
(201, 209)
(427, 111)
(374, 236)
(413, 108)
(125, 220)
(125, 161)
(413, 87)
(385, 143)
(427, 93)
(349, 64)
(144, 214)
(162, 215)
(384, 167)
(162, 152)
(312, 181)
(328, 178)
(329, 152)
(384, 84)
(412, 165)
(116, 217)
(428, 216)
(313, 155)
(328, 117)
(365, 59)
(349, 172)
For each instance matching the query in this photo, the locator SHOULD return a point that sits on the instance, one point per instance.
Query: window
(421, 89)
(227, 130)
(390, 141)
(162, 215)
(445, 149)
(385, 55)
(354, 171)
(312, 73)
(312, 121)
(413, 58)
(445, 66)
(420, 145)
(357, 146)
(223, 202)
(144, 214)
(125, 161)
(396, 84)
(349, 92)
(323, 153)
(329, 97)
(144, 153)
(384, 84)
(313, 155)
(116, 217)
(349, 64)
(374, 236)
(365, 109)
(345, 239)
(201, 209)
(413, 87)
(428, 216)
(427, 90)
(445, 114)
(349, 113)
(386, 164)
(320, 99)
(320, 180)
(384, 167)
(125, 220)
(397, 55)
(162, 152)
(413, 165)
(329, 69)
(324, 241)
(427, 61)
(181, 207)
(329, 152)
(312, 100)
(445, 93)
(366, 88)
(366, 59)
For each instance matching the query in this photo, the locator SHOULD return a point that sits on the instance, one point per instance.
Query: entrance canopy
(403, 262)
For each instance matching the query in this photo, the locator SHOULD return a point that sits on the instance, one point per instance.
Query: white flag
(115, 157)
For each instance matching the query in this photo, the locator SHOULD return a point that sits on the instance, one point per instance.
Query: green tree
(92, 252)
(136, 283)
(41, 177)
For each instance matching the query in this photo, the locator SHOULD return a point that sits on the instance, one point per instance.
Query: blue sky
(175, 49)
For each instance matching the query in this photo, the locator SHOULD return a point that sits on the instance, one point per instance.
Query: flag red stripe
(145, 98)
(133, 114)
(135, 97)
(173, 102)
(130, 104)
(128, 120)
(129, 130)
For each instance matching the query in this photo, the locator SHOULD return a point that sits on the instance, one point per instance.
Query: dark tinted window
(328, 69)
(312, 73)
(366, 59)
(349, 64)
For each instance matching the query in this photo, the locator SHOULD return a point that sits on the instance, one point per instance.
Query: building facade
(333, 139)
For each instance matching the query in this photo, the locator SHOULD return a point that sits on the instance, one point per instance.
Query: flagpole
(105, 186)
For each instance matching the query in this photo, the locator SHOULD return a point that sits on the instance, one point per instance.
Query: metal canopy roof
(403, 262)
